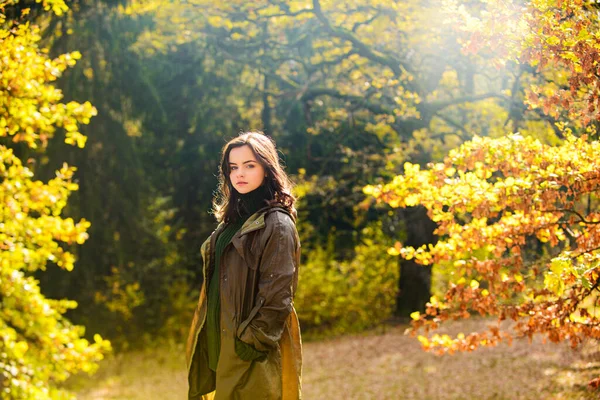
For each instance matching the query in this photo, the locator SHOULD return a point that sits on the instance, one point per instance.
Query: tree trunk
(415, 279)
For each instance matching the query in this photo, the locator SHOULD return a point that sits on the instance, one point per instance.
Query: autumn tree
(355, 89)
(349, 91)
(138, 175)
(39, 347)
(517, 217)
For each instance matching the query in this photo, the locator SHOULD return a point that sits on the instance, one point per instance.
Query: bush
(348, 296)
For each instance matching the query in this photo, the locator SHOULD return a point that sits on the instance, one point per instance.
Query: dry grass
(378, 366)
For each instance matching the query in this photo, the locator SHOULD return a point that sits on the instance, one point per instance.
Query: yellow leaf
(393, 252)
(412, 200)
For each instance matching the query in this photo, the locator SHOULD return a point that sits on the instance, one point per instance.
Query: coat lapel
(255, 221)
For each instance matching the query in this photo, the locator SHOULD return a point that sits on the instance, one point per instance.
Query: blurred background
(350, 92)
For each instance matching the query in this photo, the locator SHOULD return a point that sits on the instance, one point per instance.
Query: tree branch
(362, 49)
(551, 121)
(436, 106)
(453, 123)
(311, 94)
(366, 22)
(581, 217)
(313, 67)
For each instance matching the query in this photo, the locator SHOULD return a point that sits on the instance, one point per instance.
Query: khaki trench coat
(258, 279)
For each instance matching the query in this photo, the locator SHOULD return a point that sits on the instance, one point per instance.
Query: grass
(377, 365)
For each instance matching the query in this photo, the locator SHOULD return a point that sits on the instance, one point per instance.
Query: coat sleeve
(276, 285)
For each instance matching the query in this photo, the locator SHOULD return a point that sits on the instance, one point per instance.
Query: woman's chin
(243, 189)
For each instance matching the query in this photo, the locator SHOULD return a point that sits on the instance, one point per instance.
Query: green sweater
(252, 202)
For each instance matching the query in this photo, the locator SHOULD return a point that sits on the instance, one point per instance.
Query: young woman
(244, 342)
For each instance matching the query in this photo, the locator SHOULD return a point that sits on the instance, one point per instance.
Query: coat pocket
(252, 314)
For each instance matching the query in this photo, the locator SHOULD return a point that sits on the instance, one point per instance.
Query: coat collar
(255, 222)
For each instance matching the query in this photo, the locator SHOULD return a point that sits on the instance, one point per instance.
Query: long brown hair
(279, 187)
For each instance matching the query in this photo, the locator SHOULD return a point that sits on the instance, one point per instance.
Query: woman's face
(246, 173)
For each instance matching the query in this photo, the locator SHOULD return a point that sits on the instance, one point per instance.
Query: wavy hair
(226, 203)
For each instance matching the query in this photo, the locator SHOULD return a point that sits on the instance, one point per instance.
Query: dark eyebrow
(245, 162)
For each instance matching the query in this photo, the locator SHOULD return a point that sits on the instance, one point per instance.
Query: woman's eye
(250, 165)
(233, 168)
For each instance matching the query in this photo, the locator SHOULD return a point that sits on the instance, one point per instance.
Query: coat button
(225, 279)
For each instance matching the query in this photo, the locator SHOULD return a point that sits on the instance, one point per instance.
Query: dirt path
(378, 366)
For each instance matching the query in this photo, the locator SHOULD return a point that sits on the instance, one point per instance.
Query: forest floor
(379, 364)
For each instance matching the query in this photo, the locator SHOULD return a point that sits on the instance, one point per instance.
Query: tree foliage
(350, 91)
(517, 218)
(493, 198)
(39, 347)
(30, 107)
(559, 39)
(350, 87)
